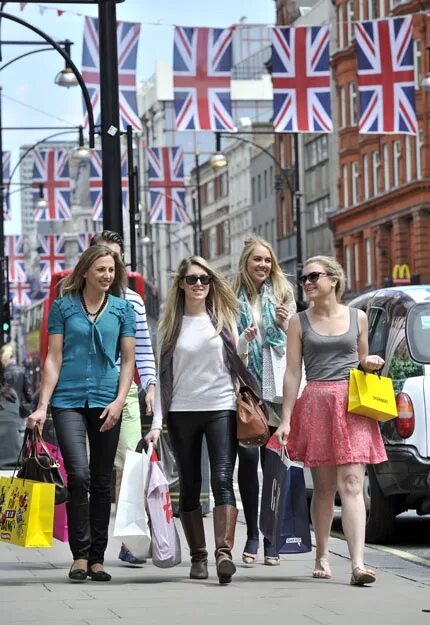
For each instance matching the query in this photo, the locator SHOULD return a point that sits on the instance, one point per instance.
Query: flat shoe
(99, 576)
(322, 569)
(77, 575)
(249, 558)
(272, 560)
(361, 576)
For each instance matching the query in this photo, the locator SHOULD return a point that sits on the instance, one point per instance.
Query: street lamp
(219, 160)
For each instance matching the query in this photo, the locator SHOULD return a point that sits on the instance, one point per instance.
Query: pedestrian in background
(195, 393)
(131, 427)
(17, 378)
(266, 304)
(10, 424)
(89, 326)
(317, 428)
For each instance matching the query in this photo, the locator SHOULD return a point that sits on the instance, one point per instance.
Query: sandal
(249, 555)
(361, 576)
(322, 568)
(272, 560)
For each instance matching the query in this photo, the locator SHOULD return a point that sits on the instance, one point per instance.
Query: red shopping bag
(61, 531)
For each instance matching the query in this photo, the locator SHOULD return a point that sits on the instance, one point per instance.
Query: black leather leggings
(186, 430)
(88, 518)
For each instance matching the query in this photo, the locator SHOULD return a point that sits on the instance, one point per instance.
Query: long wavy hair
(75, 282)
(282, 289)
(333, 268)
(221, 303)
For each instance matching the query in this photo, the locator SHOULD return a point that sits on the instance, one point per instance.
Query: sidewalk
(34, 589)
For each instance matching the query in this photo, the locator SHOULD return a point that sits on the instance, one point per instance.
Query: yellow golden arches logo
(401, 274)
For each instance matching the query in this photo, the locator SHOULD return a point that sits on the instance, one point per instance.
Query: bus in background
(31, 324)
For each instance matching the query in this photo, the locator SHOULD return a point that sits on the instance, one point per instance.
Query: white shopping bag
(131, 522)
(274, 365)
(166, 546)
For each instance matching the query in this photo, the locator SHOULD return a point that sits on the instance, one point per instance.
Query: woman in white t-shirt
(196, 395)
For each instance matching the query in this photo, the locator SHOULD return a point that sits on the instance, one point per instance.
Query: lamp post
(219, 160)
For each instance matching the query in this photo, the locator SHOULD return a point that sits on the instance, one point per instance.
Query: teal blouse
(90, 350)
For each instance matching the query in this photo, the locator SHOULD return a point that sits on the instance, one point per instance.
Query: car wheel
(380, 510)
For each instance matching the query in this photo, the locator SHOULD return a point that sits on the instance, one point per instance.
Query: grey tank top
(329, 357)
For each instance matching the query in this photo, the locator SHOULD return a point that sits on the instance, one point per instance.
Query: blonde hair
(75, 282)
(221, 302)
(333, 268)
(282, 289)
(7, 354)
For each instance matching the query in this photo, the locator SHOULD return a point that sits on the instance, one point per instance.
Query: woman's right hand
(282, 433)
(37, 418)
(153, 436)
(250, 333)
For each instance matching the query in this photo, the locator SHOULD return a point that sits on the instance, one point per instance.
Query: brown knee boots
(224, 525)
(192, 522)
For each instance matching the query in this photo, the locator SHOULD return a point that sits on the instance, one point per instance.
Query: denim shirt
(90, 350)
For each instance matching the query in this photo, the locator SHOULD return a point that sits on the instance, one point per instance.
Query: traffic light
(6, 321)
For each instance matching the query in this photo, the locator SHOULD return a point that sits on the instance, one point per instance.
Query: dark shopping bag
(284, 517)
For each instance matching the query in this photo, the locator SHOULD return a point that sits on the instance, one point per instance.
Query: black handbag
(41, 466)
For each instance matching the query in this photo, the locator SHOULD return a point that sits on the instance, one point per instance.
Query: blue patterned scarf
(271, 332)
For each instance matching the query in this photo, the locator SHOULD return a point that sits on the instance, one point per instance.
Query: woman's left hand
(282, 316)
(111, 414)
(372, 363)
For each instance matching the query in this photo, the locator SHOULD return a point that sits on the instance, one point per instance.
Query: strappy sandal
(361, 576)
(272, 560)
(322, 568)
(249, 555)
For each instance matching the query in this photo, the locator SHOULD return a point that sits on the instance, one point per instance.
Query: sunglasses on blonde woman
(313, 277)
(204, 279)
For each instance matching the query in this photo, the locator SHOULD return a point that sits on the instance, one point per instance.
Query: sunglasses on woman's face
(313, 277)
(204, 279)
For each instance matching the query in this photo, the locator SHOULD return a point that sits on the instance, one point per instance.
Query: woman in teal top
(89, 327)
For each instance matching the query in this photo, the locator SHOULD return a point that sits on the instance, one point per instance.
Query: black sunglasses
(204, 279)
(313, 277)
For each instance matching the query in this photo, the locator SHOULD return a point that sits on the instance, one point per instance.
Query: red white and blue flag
(202, 59)
(166, 185)
(385, 60)
(14, 250)
(301, 79)
(51, 254)
(96, 183)
(6, 173)
(84, 241)
(20, 294)
(128, 34)
(51, 170)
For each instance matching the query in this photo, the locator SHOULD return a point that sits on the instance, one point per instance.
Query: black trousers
(186, 430)
(88, 481)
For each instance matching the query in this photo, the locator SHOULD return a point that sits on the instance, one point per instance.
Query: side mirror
(418, 332)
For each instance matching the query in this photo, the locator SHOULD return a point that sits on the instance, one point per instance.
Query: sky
(29, 95)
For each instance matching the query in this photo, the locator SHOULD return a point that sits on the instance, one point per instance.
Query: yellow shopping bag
(371, 395)
(26, 512)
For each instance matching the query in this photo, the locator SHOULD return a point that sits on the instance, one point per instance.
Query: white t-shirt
(201, 378)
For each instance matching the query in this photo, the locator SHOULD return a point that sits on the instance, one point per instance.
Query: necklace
(94, 315)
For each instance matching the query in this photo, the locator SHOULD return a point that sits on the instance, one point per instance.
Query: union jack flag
(301, 79)
(166, 185)
(51, 169)
(385, 72)
(20, 293)
(6, 173)
(202, 59)
(14, 250)
(84, 241)
(128, 35)
(96, 183)
(51, 254)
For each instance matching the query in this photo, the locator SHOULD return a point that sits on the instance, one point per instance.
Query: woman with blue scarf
(266, 305)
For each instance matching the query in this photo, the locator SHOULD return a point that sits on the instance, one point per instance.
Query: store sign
(401, 274)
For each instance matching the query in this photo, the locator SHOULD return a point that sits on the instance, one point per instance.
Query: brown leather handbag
(252, 418)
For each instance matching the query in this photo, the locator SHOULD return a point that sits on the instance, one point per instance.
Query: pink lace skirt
(323, 433)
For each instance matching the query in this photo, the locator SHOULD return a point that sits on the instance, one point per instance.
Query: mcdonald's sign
(401, 274)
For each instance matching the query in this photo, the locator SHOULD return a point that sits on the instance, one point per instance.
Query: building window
(348, 267)
(386, 155)
(381, 8)
(356, 265)
(341, 26)
(342, 107)
(265, 184)
(355, 180)
(353, 118)
(271, 183)
(224, 184)
(370, 256)
(419, 139)
(366, 186)
(318, 211)
(376, 164)
(408, 150)
(417, 63)
(350, 19)
(253, 191)
(259, 188)
(316, 151)
(212, 242)
(210, 193)
(396, 162)
(345, 186)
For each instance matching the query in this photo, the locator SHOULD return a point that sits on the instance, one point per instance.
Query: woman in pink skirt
(317, 428)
